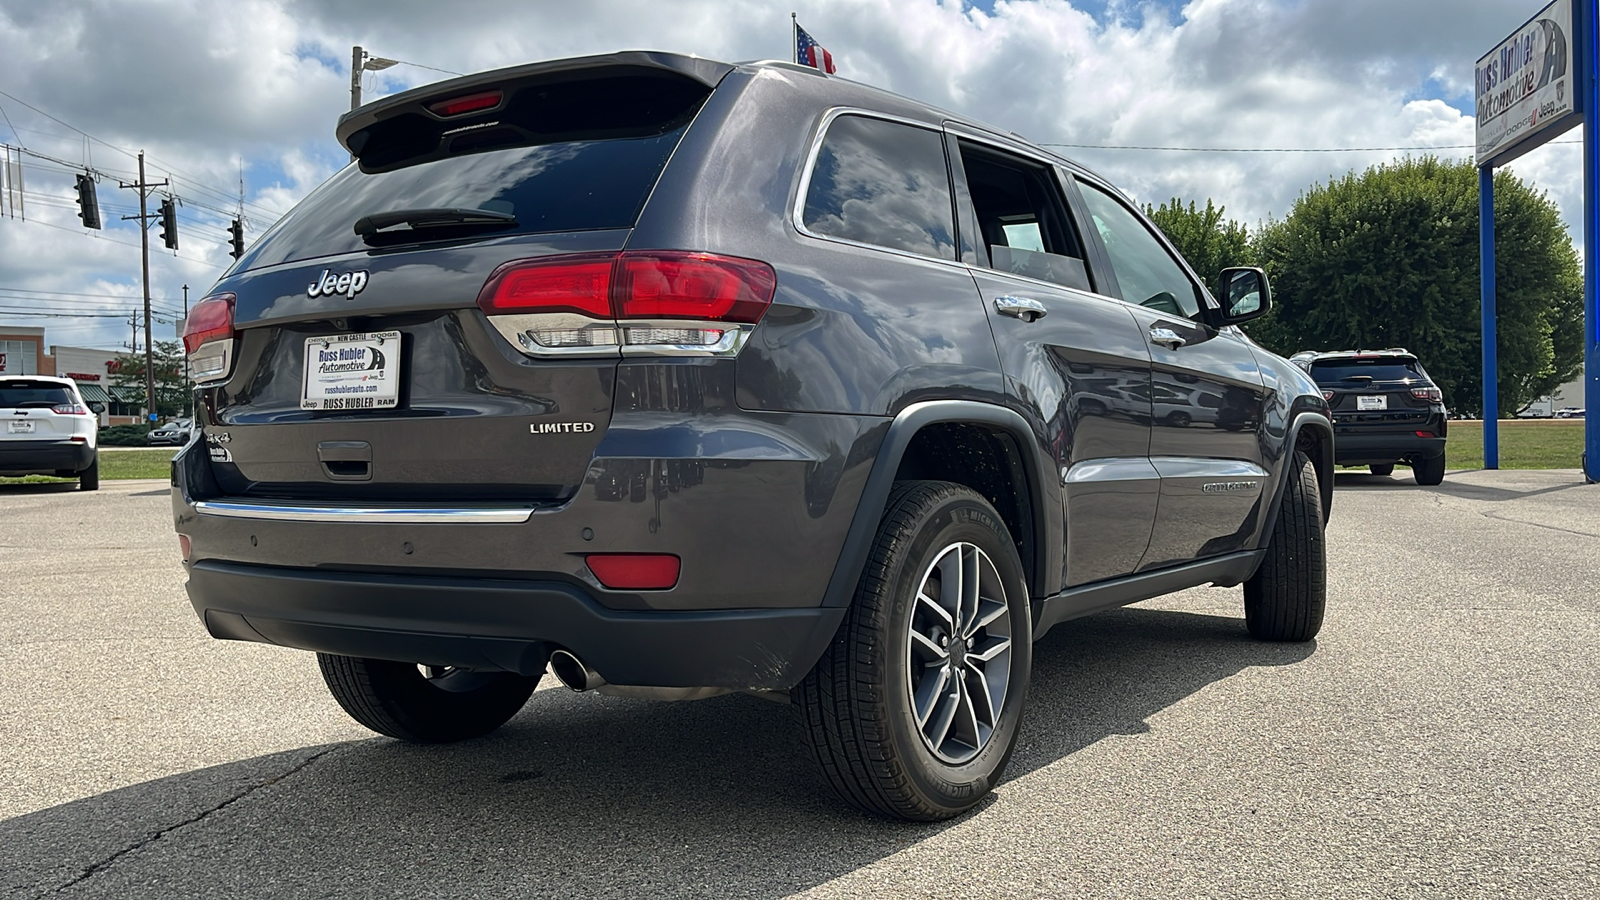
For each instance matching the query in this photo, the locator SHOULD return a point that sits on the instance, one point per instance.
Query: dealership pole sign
(1541, 80)
(1527, 86)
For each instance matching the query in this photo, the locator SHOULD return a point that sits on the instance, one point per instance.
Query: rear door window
(882, 183)
(575, 156)
(1022, 218)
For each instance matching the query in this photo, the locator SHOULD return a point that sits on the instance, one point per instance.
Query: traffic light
(236, 238)
(169, 223)
(88, 205)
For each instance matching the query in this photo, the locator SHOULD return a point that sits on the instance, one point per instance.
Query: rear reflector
(1327, 395)
(634, 571)
(460, 106)
(1426, 434)
(183, 546)
(210, 319)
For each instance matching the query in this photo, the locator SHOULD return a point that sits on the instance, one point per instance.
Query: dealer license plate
(19, 426)
(1381, 401)
(352, 371)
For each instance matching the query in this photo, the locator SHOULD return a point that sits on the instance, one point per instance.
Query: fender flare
(1324, 467)
(1037, 470)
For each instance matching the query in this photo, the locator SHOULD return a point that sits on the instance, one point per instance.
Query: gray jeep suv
(677, 378)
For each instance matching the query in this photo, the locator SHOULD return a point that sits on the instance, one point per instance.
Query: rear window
(1366, 370)
(575, 156)
(15, 394)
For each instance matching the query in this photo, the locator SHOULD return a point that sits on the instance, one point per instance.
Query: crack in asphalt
(1588, 534)
(106, 863)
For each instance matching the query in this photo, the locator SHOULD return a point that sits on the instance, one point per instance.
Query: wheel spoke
(932, 697)
(985, 706)
(933, 606)
(986, 617)
(967, 613)
(999, 646)
(948, 704)
(926, 644)
(966, 724)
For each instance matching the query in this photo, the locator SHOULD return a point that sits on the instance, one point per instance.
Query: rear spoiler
(705, 71)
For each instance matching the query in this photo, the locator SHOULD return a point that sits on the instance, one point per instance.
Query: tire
(1284, 600)
(1429, 472)
(859, 706)
(1179, 419)
(396, 699)
(1382, 469)
(89, 479)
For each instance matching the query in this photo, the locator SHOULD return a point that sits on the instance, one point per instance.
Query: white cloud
(203, 83)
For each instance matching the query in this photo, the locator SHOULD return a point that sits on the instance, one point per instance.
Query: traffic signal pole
(144, 217)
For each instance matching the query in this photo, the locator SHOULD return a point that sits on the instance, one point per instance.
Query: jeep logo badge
(347, 283)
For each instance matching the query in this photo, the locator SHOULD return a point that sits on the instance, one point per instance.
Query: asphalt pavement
(1439, 739)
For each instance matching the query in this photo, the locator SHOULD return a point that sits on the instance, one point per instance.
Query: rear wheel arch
(987, 448)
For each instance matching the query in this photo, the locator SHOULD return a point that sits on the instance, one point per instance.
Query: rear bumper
(43, 457)
(507, 625)
(1359, 449)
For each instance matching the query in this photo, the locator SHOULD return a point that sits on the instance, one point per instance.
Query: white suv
(47, 430)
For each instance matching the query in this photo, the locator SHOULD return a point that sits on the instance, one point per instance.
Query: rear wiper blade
(435, 217)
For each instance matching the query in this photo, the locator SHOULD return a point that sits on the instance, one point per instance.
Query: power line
(1273, 149)
(114, 241)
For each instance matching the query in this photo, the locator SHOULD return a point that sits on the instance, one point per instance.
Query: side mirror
(97, 407)
(1245, 295)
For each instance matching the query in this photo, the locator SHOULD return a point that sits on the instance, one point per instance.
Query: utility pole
(185, 350)
(144, 217)
(357, 57)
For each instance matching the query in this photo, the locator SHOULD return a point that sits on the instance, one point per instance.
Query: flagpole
(794, 39)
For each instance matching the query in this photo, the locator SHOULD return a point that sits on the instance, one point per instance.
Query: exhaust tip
(572, 673)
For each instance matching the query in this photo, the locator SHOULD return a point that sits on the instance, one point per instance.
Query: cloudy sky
(219, 93)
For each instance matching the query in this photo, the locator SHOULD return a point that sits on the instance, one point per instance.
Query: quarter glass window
(882, 183)
(1148, 274)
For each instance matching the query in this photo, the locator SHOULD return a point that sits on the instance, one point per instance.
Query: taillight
(655, 302)
(70, 409)
(208, 338)
(635, 571)
(1431, 394)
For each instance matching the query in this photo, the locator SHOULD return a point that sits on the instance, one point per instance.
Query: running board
(1224, 571)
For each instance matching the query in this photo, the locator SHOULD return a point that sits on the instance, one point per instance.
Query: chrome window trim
(362, 515)
(798, 209)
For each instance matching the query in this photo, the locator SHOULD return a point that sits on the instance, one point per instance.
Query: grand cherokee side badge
(346, 283)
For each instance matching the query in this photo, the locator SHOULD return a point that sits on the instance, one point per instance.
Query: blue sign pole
(1589, 80)
(1491, 365)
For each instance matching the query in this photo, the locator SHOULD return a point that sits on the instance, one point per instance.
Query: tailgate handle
(346, 460)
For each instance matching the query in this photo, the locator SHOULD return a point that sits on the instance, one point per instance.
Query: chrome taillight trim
(518, 330)
(363, 515)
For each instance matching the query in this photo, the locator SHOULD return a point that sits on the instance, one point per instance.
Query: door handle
(1024, 308)
(1166, 337)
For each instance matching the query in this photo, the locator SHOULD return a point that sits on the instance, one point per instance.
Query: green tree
(1208, 241)
(172, 387)
(1389, 258)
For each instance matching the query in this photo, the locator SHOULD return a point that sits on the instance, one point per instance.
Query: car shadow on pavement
(18, 488)
(582, 795)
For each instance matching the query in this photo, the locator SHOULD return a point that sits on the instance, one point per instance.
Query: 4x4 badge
(346, 283)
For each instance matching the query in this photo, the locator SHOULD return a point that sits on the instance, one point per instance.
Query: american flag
(810, 53)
